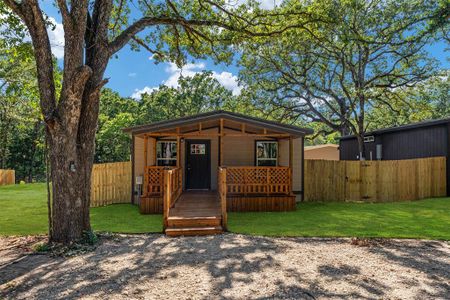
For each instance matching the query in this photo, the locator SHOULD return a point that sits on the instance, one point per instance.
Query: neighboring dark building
(418, 140)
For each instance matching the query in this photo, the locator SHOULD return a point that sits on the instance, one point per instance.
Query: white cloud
(188, 70)
(138, 93)
(132, 74)
(265, 4)
(56, 37)
(270, 4)
(227, 79)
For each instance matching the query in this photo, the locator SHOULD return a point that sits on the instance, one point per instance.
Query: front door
(198, 164)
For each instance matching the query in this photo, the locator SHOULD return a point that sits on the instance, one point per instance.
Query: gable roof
(218, 114)
(422, 124)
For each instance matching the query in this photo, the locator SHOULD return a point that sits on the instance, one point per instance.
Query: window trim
(266, 159)
(165, 159)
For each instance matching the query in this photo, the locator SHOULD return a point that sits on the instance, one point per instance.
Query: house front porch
(195, 212)
(240, 163)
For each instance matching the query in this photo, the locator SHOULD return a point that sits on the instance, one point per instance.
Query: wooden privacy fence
(7, 177)
(111, 183)
(375, 181)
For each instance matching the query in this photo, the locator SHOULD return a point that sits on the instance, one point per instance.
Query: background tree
(426, 100)
(193, 95)
(358, 57)
(21, 127)
(116, 113)
(94, 31)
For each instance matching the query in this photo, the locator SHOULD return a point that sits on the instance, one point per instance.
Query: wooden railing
(153, 181)
(222, 193)
(173, 186)
(258, 180)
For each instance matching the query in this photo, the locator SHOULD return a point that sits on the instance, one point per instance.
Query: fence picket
(111, 183)
(7, 177)
(375, 181)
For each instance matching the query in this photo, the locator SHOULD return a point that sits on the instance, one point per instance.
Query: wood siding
(260, 203)
(405, 144)
(325, 152)
(151, 205)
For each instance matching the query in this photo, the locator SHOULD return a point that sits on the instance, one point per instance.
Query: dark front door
(198, 164)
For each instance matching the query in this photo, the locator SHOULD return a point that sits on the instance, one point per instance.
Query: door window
(198, 149)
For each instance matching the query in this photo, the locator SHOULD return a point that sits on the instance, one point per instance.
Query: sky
(133, 73)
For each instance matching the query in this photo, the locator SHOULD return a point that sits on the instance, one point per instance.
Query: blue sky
(135, 72)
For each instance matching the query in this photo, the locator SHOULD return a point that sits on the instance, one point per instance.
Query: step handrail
(222, 190)
(172, 190)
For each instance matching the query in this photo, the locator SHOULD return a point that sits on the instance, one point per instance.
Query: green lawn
(429, 219)
(23, 211)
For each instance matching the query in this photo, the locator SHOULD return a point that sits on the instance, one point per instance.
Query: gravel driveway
(232, 266)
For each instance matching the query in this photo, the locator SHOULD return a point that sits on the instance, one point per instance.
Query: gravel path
(232, 266)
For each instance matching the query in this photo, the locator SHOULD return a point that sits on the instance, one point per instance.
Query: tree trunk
(71, 159)
(361, 146)
(34, 139)
(70, 177)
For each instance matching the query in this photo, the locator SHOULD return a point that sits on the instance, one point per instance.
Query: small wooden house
(194, 169)
(326, 152)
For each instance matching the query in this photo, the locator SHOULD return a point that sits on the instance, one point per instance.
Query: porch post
(178, 148)
(221, 143)
(145, 165)
(291, 163)
(145, 150)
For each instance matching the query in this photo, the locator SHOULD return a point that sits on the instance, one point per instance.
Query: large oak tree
(94, 31)
(361, 55)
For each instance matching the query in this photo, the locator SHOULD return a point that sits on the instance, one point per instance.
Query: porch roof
(215, 116)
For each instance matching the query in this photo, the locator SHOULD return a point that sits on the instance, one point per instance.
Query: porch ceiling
(233, 121)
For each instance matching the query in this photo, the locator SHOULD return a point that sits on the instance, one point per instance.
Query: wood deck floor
(196, 204)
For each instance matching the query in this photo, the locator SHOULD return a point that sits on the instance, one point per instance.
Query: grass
(23, 211)
(427, 219)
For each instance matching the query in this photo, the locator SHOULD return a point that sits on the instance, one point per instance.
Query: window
(369, 139)
(166, 153)
(198, 149)
(266, 153)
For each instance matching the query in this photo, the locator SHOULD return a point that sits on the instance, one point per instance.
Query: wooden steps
(188, 231)
(195, 213)
(178, 226)
(180, 222)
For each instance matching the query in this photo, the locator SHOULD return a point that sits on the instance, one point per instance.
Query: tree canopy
(360, 55)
